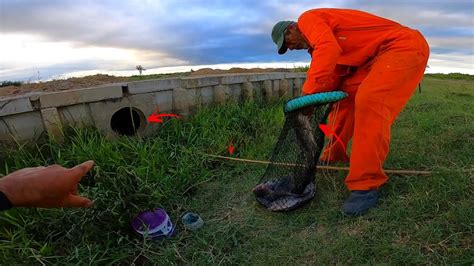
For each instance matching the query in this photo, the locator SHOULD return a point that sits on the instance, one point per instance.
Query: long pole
(334, 168)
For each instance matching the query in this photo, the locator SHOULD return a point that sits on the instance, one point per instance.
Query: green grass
(300, 69)
(159, 76)
(459, 76)
(419, 220)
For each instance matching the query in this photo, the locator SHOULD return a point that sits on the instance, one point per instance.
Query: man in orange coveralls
(379, 63)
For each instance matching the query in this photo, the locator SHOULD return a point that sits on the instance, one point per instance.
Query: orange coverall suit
(379, 63)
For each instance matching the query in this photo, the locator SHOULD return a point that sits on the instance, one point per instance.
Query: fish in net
(289, 180)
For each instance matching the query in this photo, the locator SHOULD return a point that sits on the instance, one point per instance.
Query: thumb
(78, 171)
(77, 201)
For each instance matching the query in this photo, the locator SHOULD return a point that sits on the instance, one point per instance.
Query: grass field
(420, 219)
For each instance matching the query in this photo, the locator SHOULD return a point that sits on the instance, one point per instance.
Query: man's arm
(325, 52)
(44, 187)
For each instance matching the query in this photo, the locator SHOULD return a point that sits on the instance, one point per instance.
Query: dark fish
(307, 143)
(275, 201)
(272, 190)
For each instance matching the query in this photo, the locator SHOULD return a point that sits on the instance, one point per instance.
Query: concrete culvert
(127, 121)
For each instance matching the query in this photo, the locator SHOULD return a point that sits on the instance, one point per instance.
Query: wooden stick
(335, 168)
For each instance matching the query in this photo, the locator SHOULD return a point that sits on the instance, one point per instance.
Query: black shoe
(360, 201)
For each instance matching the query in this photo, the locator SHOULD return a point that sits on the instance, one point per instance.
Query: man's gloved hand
(46, 187)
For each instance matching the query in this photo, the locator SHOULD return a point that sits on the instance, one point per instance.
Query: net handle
(314, 99)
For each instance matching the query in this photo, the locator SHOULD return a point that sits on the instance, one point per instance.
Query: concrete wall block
(76, 115)
(267, 90)
(154, 85)
(70, 97)
(21, 127)
(247, 91)
(256, 78)
(184, 100)
(35, 100)
(205, 96)
(266, 76)
(102, 114)
(15, 105)
(196, 82)
(5, 135)
(297, 87)
(236, 92)
(162, 100)
(234, 79)
(96, 106)
(221, 93)
(193, 101)
(52, 123)
(257, 90)
(144, 104)
(292, 75)
(276, 87)
(291, 85)
(284, 90)
(147, 104)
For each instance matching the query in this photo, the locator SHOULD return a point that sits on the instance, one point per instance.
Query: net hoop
(314, 99)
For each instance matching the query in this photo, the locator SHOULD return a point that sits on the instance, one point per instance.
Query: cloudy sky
(58, 38)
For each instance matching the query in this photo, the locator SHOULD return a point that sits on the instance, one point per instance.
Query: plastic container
(192, 221)
(154, 224)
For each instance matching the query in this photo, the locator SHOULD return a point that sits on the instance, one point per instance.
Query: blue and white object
(192, 221)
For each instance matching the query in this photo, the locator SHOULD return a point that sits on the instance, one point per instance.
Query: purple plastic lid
(154, 223)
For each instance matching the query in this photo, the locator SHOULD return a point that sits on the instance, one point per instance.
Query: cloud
(445, 63)
(194, 32)
(464, 45)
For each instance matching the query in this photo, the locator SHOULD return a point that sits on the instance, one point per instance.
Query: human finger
(78, 171)
(77, 201)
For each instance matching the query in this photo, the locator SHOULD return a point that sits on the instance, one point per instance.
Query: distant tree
(10, 83)
(140, 69)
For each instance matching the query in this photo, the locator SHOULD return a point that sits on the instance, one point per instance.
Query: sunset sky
(61, 38)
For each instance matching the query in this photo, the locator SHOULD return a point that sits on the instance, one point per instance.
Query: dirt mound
(235, 70)
(95, 80)
(60, 85)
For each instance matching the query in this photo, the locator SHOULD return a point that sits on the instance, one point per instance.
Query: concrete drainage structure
(123, 108)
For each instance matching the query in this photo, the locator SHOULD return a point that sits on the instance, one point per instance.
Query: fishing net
(289, 180)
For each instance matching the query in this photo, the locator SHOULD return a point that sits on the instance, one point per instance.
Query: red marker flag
(328, 132)
(231, 149)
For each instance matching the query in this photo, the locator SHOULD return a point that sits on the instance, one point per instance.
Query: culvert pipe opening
(127, 121)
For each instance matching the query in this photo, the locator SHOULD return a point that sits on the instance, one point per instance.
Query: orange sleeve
(325, 52)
